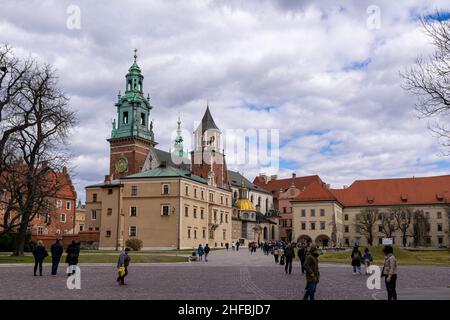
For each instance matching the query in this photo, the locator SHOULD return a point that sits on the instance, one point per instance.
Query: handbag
(121, 271)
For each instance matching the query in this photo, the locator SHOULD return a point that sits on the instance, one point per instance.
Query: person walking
(73, 252)
(57, 250)
(275, 254)
(200, 252)
(227, 245)
(302, 256)
(206, 250)
(123, 262)
(367, 258)
(39, 254)
(356, 259)
(390, 272)
(290, 255)
(312, 272)
(281, 253)
(237, 245)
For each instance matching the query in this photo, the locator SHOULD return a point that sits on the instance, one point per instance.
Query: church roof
(167, 172)
(167, 157)
(236, 180)
(208, 121)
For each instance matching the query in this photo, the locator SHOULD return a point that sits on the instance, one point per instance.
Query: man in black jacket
(289, 256)
(302, 257)
(57, 251)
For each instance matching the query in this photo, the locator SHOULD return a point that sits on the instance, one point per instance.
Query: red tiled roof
(383, 192)
(275, 186)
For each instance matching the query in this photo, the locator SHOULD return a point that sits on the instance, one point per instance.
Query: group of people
(57, 249)
(203, 251)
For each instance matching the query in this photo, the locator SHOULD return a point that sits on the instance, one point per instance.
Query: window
(81, 227)
(226, 201)
(313, 226)
(142, 119)
(346, 229)
(439, 215)
(202, 213)
(133, 211)
(322, 226)
(221, 199)
(224, 235)
(67, 205)
(134, 190)
(195, 234)
(165, 210)
(357, 229)
(125, 117)
(322, 212)
(108, 233)
(187, 190)
(94, 215)
(380, 228)
(189, 232)
(226, 218)
(313, 212)
(303, 226)
(202, 195)
(346, 218)
(440, 240)
(380, 240)
(94, 197)
(428, 240)
(211, 197)
(303, 213)
(195, 193)
(427, 215)
(59, 204)
(110, 191)
(40, 230)
(109, 211)
(97, 228)
(195, 213)
(204, 233)
(221, 217)
(165, 189)
(186, 211)
(133, 231)
(347, 242)
(439, 227)
(284, 210)
(215, 215)
(62, 217)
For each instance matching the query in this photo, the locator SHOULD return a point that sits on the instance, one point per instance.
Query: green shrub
(134, 244)
(8, 242)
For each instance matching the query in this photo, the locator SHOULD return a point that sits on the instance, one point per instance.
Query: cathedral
(168, 200)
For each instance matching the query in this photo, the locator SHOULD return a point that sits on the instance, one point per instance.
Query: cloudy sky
(325, 74)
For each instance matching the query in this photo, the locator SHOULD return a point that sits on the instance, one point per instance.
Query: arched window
(251, 198)
(129, 85)
(125, 117)
(267, 204)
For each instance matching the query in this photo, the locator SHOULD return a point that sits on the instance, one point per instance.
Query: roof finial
(135, 55)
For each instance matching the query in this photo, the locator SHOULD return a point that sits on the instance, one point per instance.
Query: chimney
(294, 175)
(107, 179)
(345, 187)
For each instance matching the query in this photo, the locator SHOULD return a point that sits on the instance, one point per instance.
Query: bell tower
(132, 135)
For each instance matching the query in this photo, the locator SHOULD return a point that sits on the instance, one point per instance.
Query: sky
(323, 76)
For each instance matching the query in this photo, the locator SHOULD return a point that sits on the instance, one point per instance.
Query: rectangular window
(93, 215)
(224, 234)
(440, 240)
(221, 199)
(125, 117)
(164, 210)
(226, 201)
(40, 230)
(204, 233)
(63, 217)
(346, 218)
(380, 240)
(226, 218)
(221, 217)
(133, 231)
(284, 210)
(189, 232)
(428, 240)
(322, 212)
(346, 229)
(195, 234)
(195, 213)
(133, 211)
(81, 227)
(303, 213)
(380, 228)
(94, 197)
(313, 212)
(202, 213)
(195, 193)
(187, 190)
(211, 197)
(347, 242)
(142, 119)
(303, 226)
(110, 191)
(313, 226)
(439, 227)
(322, 226)
(67, 205)
(439, 215)
(215, 215)
(134, 190)
(109, 211)
(186, 211)
(108, 233)
(203, 195)
(165, 189)
(59, 204)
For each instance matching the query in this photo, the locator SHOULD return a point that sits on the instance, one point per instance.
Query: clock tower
(132, 135)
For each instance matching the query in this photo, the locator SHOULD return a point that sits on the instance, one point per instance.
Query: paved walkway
(227, 275)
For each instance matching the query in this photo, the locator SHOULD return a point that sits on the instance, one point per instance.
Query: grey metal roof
(208, 121)
(236, 180)
(167, 157)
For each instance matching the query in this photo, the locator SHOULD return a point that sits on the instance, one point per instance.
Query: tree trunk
(21, 237)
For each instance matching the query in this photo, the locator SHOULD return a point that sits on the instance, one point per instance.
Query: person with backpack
(73, 252)
(312, 272)
(367, 258)
(200, 252)
(302, 256)
(275, 254)
(57, 250)
(356, 259)
(39, 254)
(290, 255)
(206, 250)
(123, 262)
(390, 272)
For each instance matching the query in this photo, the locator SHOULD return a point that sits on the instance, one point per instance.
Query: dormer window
(125, 117)
(370, 199)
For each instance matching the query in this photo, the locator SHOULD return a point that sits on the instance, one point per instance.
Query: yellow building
(80, 217)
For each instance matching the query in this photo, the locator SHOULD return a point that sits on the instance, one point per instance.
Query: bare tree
(366, 222)
(403, 216)
(388, 223)
(429, 79)
(421, 227)
(34, 151)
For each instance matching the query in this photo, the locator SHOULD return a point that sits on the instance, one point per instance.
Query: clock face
(122, 165)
